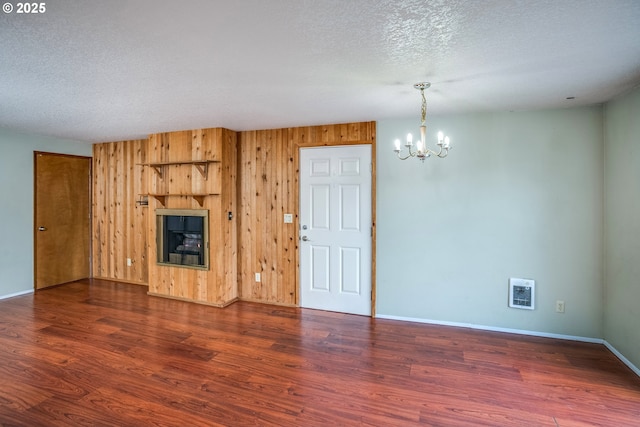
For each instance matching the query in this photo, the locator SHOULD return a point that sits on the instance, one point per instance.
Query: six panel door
(335, 228)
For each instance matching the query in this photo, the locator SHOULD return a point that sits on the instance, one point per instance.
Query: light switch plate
(288, 218)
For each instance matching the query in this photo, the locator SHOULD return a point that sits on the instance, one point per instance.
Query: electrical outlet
(129, 262)
(257, 277)
(559, 306)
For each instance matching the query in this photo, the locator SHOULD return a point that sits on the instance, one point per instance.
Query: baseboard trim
(493, 329)
(259, 301)
(518, 332)
(210, 304)
(111, 279)
(16, 294)
(623, 359)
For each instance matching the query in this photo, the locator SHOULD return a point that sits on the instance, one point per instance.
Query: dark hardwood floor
(105, 354)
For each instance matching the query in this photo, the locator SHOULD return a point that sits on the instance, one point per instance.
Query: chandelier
(422, 152)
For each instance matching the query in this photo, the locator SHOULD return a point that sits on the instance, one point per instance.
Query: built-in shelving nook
(195, 170)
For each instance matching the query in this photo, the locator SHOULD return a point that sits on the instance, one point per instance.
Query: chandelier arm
(445, 154)
(442, 152)
(432, 152)
(411, 154)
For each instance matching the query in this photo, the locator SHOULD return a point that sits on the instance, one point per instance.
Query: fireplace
(182, 237)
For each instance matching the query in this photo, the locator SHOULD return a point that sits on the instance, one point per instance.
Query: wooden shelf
(198, 197)
(201, 165)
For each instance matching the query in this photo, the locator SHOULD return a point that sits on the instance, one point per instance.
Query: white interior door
(335, 228)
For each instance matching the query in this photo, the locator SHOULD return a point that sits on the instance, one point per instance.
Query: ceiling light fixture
(422, 152)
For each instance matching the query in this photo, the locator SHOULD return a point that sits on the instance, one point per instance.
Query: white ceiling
(118, 69)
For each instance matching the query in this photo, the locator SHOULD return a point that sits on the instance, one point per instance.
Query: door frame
(298, 146)
(35, 209)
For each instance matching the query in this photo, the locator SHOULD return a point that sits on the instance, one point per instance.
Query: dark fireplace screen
(182, 237)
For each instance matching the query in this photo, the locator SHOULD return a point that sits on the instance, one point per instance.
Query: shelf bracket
(160, 199)
(203, 168)
(199, 199)
(158, 170)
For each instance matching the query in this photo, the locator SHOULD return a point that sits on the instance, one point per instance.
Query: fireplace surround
(182, 238)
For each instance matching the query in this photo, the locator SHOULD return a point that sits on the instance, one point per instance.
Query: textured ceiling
(117, 69)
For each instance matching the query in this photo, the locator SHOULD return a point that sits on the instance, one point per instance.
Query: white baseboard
(493, 329)
(517, 331)
(16, 294)
(622, 358)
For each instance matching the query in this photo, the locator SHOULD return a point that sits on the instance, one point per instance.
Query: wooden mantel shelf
(201, 165)
(198, 197)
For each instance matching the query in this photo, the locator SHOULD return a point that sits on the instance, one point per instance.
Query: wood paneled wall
(268, 188)
(201, 144)
(119, 224)
(258, 183)
(217, 285)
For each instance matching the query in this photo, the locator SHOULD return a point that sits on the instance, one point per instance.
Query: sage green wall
(16, 204)
(622, 225)
(520, 195)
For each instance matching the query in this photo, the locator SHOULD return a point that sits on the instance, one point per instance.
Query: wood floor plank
(19, 399)
(100, 353)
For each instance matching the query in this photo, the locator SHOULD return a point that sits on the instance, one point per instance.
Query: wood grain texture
(268, 186)
(218, 285)
(104, 353)
(119, 224)
(61, 207)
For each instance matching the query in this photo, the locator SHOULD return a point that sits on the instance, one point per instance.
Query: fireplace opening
(183, 237)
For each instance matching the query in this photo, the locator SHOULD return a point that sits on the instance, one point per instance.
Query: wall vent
(522, 293)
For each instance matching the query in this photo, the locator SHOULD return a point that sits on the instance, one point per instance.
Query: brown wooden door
(62, 223)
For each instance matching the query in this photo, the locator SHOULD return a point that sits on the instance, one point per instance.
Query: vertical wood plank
(119, 223)
(280, 207)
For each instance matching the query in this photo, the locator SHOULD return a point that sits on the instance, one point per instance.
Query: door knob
(305, 239)
(41, 228)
